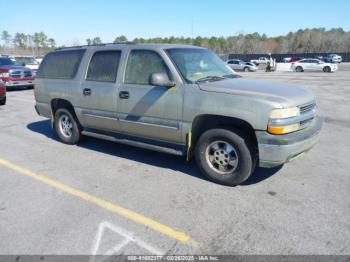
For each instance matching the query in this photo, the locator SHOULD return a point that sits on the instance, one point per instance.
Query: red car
(15, 76)
(2, 93)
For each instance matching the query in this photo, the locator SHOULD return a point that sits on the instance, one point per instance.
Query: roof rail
(102, 44)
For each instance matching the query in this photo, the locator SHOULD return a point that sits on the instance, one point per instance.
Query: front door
(99, 92)
(149, 111)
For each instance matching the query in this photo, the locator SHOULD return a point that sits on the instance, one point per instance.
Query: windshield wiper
(210, 78)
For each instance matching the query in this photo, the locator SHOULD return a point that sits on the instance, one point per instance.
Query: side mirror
(160, 79)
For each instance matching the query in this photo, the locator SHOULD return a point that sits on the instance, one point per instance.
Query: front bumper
(275, 150)
(19, 83)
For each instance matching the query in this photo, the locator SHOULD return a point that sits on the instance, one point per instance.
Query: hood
(9, 67)
(285, 94)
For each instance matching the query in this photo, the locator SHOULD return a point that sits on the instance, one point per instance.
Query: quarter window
(61, 64)
(141, 64)
(104, 66)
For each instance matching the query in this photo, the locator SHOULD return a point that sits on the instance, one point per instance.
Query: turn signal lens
(280, 130)
(284, 112)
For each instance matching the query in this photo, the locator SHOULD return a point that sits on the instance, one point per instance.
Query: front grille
(15, 74)
(305, 123)
(306, 108)
(21, 74)
(27, 73)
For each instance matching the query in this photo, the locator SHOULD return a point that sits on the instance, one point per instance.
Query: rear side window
(141, 64)
(61, 64)
(104, 66)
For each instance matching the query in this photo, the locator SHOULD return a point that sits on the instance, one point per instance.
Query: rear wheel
(246, 69)
(299, 69)
(67, 127)
(225, 156)
(3, 101)
(327, 69)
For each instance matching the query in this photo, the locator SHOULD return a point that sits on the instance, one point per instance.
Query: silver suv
(176, 99)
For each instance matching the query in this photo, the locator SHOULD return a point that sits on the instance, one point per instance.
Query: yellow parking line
(138, 218)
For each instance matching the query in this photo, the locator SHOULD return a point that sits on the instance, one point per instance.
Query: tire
(246, 69)
(327, 69)
(299, 69)
(3, 101)
(67, 126)
(225, 156)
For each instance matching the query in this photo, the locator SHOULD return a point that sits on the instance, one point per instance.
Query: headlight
(4, 75)
(280, 129)
(284, 113)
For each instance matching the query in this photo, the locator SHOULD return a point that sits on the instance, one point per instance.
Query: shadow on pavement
(145, 156)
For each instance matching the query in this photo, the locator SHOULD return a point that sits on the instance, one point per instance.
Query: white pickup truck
(260, 60)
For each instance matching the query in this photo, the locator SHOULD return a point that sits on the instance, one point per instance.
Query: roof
(145, 45)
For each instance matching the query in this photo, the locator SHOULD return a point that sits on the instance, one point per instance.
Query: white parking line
(128, 237)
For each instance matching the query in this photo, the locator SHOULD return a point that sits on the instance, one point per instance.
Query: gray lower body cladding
(276, 150)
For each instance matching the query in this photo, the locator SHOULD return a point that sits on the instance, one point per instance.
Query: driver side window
(141, 64)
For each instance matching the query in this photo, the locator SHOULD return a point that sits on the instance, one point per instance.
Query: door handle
(124, 94)
(87, 91)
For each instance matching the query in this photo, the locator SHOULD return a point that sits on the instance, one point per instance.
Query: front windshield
(197, 64)
(6, 62)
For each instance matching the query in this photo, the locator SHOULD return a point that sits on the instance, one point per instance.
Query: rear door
(98, 91)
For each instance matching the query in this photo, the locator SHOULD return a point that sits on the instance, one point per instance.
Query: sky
(73, 21)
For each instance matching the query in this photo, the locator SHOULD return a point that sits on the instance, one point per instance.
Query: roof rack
(102, 44)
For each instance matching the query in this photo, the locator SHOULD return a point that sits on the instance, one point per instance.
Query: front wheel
(327, 69)
(225, 156)
(3, 101)
(299, 69)
(246, 69)
(67, 127)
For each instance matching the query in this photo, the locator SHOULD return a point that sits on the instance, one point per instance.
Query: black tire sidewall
(244, 151)
(75, 138)
(3, 101)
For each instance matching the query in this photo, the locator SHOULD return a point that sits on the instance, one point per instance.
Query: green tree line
(302, 41)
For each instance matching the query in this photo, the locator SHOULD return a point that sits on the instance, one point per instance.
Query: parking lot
(105, 198)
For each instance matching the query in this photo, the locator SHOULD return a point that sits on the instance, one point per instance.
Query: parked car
(14, 75)
(333, 58)
(319, 57)
(286, 59)
(28, 61)
(260, 60)
(2, 93)
(239, 65)
(176, 99)
(313, 65)
(295, 59)
(39, 59)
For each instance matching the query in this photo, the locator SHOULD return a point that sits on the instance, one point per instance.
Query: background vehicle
(176, 99)
(239, 65)
(28, 61)
(39, 59)
(286, 59)
(2, 93)
(313, 65)
(333, 58)
(295, 59)
(15, 76)
(260, 60)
